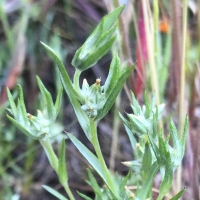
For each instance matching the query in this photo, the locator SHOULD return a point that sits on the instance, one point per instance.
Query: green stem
(76, 80)
(95, 142)
(115, 135)
(53, 160)
(67, 189)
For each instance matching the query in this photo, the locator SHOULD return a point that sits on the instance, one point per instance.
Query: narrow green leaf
(154, 147)
(58, 101)
(47, 99)
(112, 76)
(84, 196)
(110, 18)
(155, 126)
(159, 111)
(174, 134)
(113, 95)
(136, 107)
(147, 105)
(142, 193)
(162, 151)
(21, 128)
(90, 43)
(135, 165)
(166, 183)
(98, 43)
(62, 170)
(95, 56)
(20, 115)
(84, 50)
(94, 183)
(12, 103)
(166, 163)
(153, 103)
(94, 162)
(54, 192)
(139, 124)
(178, 196)
(52, 157)
(125, 121)
(22, 106)
(104, 25)
(177, 157)
(74, 97)
(89, 156)
(81, 116)
(131, 138)
(67, 82)
(147, 159)
(124, 182)
(105, 36)
(183, 139)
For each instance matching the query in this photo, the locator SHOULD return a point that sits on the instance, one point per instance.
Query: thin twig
(182, 87)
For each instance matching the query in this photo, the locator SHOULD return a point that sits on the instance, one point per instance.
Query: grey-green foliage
(153, 152)
(103, 193)
(94, 98)
(98, 43)
(39, 127)
(54, 193)
(178, 195)
(169, 158)
(141, 121)
(91, 103)
(102, 99)
(99, 99)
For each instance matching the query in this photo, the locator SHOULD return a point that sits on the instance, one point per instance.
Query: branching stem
(53, 160)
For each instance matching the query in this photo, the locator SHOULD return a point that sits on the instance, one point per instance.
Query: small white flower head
(93, 96)
(39, 125)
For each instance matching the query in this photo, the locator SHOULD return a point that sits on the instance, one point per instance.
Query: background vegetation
(161, 37)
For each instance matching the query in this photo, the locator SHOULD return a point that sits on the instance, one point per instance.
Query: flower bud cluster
(42, 126)
(93, 96)
(98, 43)
(39, 125)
